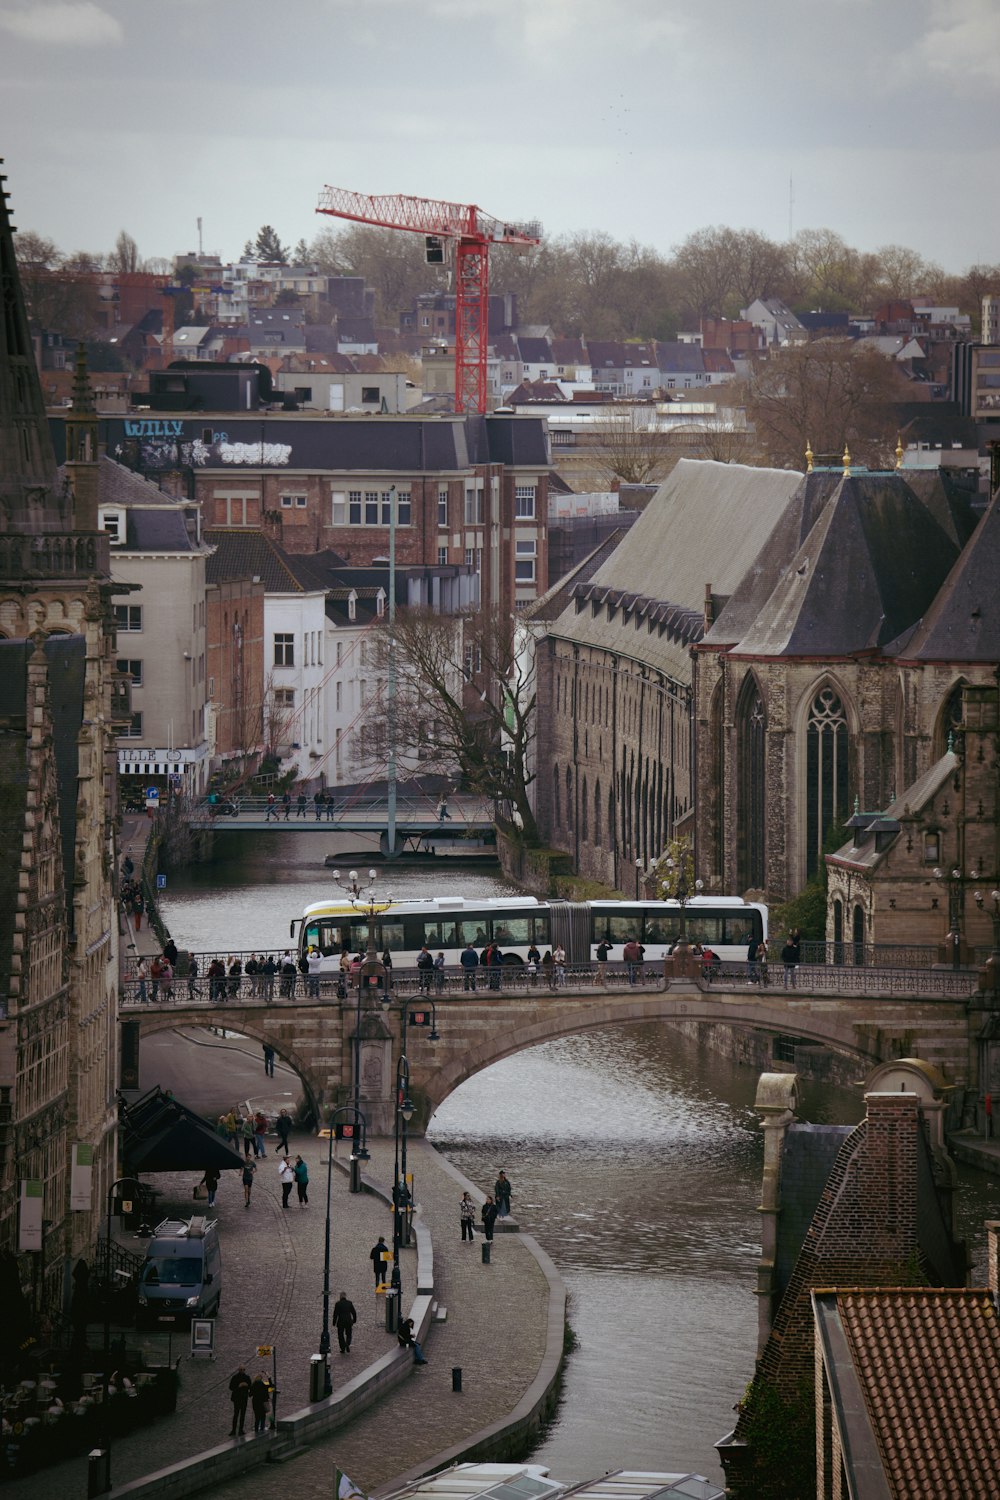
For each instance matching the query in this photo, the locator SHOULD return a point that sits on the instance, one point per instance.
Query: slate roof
(873, 553)
(963, 623)
(865, 855)
(117, 485)
(704, 526)
(925, 1363)
(245, 554)
(571, 351)
(675, 358)
(534, 351)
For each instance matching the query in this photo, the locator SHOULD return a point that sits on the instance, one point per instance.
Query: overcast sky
(646, 118)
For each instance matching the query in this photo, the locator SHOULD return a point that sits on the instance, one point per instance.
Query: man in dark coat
(260, 1399)
(239, 1395)
(489, 1216)
(379, 1255)
(344, 1319)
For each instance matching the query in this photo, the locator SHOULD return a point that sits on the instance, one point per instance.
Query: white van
(181, 1277)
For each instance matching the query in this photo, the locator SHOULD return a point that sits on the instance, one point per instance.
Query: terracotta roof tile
(928, 1361)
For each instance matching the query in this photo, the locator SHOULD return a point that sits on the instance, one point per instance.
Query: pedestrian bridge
(317, 1036)
(418, 820)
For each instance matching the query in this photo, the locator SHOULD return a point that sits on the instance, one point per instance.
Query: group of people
(280, 808)
(258, 1392)
(758, 958)
(495, 1206)
(154, 978)
(130, 894)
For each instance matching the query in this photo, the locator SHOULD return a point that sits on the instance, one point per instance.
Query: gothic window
(597, 813)
(556, 811)
(952, 723)
(826, 773)
(751, 746)
(584, 812)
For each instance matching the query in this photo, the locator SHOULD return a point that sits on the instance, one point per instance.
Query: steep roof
(869, 566)
(677, 358)
(963, 623)
(925, 1363)
(704, 526)
(244, 554)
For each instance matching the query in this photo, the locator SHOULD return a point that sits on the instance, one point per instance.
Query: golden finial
(847, 459)
(899, 451)
(809, 457)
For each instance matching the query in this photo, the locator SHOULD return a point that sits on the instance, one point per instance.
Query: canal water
(635, 1157)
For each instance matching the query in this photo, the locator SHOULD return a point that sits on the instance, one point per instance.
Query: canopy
(159, 1134)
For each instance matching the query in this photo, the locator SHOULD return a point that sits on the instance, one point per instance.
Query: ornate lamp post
(676, 888)
(954, 935)
(404, 1113)
(993, 962)
(359, 1153)
(363, 899)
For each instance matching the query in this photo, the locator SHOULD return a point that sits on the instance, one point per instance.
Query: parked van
(181, 1277)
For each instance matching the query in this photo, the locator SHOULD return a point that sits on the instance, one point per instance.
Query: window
(113, 522)
(340, 652)
(340, 696)
(826, 773)
(233, 510)
(524, 562)
(473, 507)
(354, 507)
(284, 698)
(932, 848)
(370, 395)
(442, 508)
(524, 502)
(284, 650)
(473, 660)
(130, 669)
(403, 508)
(751, 745)
(288, 501)
(442, 557)
(338, 513)
(134, 730)
(372, 508)
(128, 617)
(470, 557)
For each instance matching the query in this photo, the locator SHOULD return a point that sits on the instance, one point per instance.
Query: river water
(635, 1158)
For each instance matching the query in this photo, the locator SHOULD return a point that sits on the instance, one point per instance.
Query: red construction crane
(473, 232)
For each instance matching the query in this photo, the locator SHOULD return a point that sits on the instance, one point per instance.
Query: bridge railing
(874, 955)
(338, 809)
(454, 982)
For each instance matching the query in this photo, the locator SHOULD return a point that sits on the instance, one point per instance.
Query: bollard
(317, 1377)
(456, 1377)
(99, 1471)
(487, 1246)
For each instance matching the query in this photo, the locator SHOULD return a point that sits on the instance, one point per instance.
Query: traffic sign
(264, 1351)
(152, 794)
(161, 882)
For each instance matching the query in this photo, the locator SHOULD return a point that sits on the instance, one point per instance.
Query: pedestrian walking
(443, 814)
(286, 802)
(501, 1194)
(405, 1336)
(233, 1129)
(248, 1131)
(301, 1182)
(248, 1175)
(210, 1182)
(259, 1132)
(469, 959)
(139, 907)
(344, 1319)
(141, 972)
(192, 978)
(489, 1216)
(260, 1400)
(425, 970)
(268, 1060)
(387, 974)
(467, 1217)
(379, 1256)
(239, 1394)
(300, 805)
(286, 1176)
(439, 973)
(283, 1125)
(272, 809)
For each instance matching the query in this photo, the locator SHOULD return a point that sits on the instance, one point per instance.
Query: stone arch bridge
(317, 1037)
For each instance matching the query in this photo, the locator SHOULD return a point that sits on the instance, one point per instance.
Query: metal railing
(874, 955)
(454, 982)
(233, 809)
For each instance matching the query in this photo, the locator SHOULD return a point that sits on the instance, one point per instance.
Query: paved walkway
(272, 1277)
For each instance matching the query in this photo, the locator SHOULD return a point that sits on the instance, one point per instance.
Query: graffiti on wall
(161, 443)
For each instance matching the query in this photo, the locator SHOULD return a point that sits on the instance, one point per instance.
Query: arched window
(838, 931)
(751, 729)
(611, 816)
(858, 935)
(951, 725)
(569, 798)
(826, 773)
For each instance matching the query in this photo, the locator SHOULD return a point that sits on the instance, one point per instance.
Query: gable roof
(914, 1376)
(963, 623)
(675, 358)
(241, 553)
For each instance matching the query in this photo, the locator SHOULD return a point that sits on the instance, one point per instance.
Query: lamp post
(677, 889)
(99, 1479)
(638, 877)
(403, 1114)
(359, 1153)
(363, 898)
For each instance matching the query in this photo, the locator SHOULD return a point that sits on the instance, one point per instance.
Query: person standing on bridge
(559, 960)
(443, 813)
(314, 960)
(603, 949)
(272, 809)
(467, 1217)
(319, 801)
(789, 957)
(470, 962)
(300, 805)
(425, 969)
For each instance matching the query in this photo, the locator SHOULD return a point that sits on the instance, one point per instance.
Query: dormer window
(112, 520)
(352, 606)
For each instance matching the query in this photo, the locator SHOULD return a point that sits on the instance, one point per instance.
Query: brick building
(469, 490)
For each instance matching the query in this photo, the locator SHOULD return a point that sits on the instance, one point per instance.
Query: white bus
(446, 924)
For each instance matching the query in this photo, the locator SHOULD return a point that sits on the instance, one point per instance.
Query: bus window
(430, 936)
(451, 934)
(511, 932)
(392, 935)
(704, 927)
(740, 927)
(620, 928)
(660, 927)
(540, 930)
(472, 930)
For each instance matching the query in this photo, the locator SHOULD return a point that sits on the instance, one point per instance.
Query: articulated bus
(446, 924)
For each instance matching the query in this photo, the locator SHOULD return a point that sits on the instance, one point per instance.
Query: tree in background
(391, 262)
(633, 448)
(124, 257)
(464, 698)
(830, 394)
(266, 247)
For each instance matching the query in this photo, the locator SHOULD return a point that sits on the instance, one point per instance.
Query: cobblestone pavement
(272, 1279)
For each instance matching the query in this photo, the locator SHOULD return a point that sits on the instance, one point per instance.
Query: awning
(159, 1134)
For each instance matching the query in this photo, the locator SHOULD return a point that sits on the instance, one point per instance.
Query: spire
(29, 498)
(809, 457)
(899, 450)
(847, 459)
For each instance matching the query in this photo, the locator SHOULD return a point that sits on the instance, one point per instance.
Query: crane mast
(473, 232)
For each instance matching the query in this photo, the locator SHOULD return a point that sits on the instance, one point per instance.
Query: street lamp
(403, 1114)
(954, 933)
(359, 1153)
(363, 898)
(99, 1480)
(677, 889)
(638, 877)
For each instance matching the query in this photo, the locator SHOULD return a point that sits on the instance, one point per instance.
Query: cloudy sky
(647, 118)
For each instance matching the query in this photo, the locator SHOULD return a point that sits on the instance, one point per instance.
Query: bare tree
(464, 700)
(831, 394)
(633, 449)
(124, 258)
